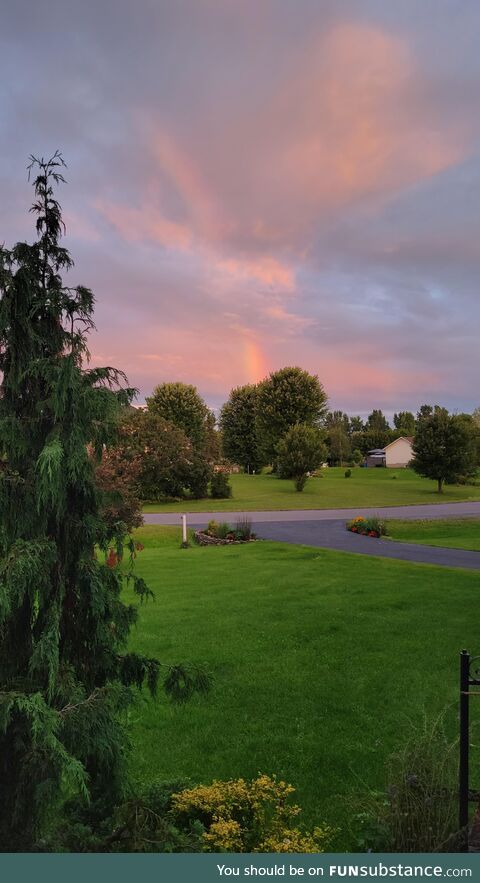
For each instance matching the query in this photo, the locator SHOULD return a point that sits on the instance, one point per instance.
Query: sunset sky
(260, 183)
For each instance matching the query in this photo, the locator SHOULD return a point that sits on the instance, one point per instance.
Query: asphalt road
(433, 510)
(325, 528)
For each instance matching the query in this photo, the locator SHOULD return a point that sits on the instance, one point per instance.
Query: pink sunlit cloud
(258, 184)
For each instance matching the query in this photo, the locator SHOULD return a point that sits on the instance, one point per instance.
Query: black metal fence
(469, 677)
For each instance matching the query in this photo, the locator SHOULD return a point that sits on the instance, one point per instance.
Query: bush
(300, 452)
(220, 486)
(246, 816)
(198, 476)
(223, 530)
(371, 527)
(243, 529)
(418, 811)
(465, 480)
(348, 473)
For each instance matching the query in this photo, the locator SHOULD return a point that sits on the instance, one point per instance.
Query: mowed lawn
(366, 487)
(460, 533)
(321, 661)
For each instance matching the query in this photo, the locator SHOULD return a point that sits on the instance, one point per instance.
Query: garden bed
(205, 539)
(367, 527)
(225, 535)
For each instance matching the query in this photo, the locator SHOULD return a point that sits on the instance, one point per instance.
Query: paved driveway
(332, 535)
(325, 528)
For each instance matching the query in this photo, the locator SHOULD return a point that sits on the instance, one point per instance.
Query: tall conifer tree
(64, 672)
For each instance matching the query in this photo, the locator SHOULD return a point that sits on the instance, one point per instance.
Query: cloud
(256, 184)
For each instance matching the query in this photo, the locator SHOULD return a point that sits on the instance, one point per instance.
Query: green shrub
(223, 530)
(220, 488)
(418, 811)
(243, 529)
(348, 473)
(198, 476)
(212, 527)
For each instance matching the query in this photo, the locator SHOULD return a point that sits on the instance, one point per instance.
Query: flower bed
(367, 527)
(224, 534)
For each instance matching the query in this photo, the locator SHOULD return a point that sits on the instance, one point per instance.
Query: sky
(261, 183)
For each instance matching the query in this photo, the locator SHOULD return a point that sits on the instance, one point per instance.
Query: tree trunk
(440, 485)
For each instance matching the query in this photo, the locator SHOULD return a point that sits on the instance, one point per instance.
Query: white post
(184, 528)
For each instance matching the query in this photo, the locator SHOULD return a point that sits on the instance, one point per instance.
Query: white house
(399, 452)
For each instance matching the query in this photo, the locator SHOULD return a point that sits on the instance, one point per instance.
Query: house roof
(406, 438)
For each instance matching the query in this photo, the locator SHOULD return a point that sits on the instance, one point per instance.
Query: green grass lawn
(366, 487)
(321, 662)
(460, 533)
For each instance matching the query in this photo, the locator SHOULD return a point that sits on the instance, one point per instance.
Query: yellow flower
(242, 816)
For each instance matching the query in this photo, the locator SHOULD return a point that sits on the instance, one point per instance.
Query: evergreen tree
(64, 672)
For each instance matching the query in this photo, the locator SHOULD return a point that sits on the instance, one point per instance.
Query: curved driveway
(325, 528)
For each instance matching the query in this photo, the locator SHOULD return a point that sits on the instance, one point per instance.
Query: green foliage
(145, 823)
(357, 456)
(238, 422)
(160, 455)
(377, 421)
(338, 420)
(424, 412)
(220, 487)
(418, 812)
(181, 404)
(338, 444)
(243, 528)
(299, 452)
(348, 473)
(198, 476)
(223, 530)
(368, 439)
(356, 424)
(404, 422)
(444, 447)
(285, 398)
(65, 681)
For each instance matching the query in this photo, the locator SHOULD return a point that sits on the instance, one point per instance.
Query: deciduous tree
(239, 428)
(444, 448)
(299, 452)
(287, 397)
(404, 422)
(182, 405)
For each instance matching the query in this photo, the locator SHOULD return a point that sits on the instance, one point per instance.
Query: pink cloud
(145, 223)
